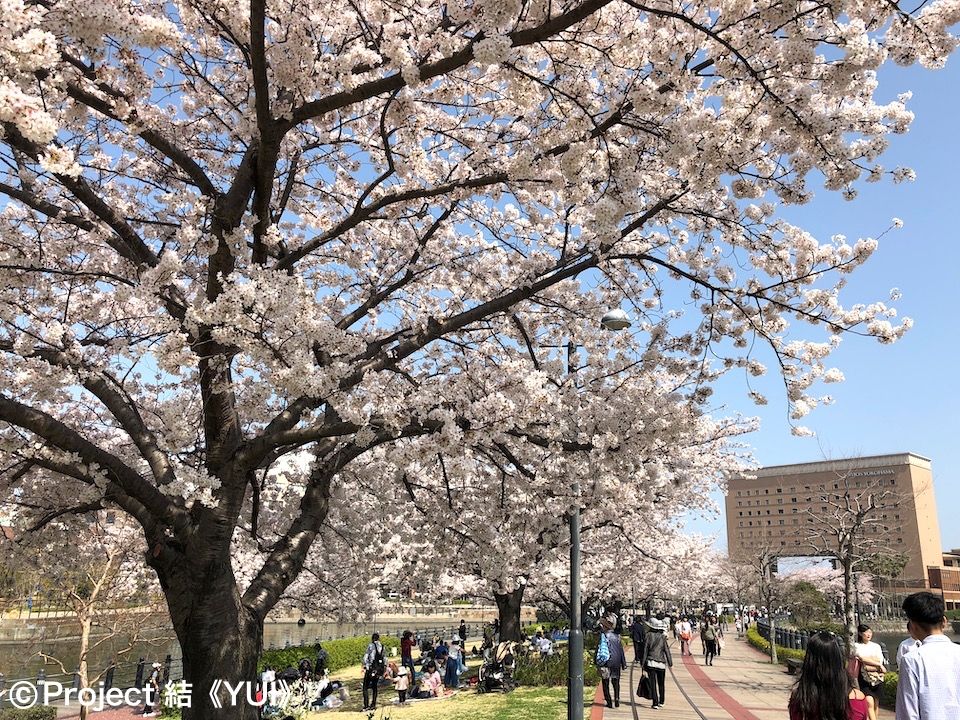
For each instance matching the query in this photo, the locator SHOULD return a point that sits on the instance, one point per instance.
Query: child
(402, 681)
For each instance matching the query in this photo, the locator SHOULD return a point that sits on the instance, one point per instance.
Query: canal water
(21, 645)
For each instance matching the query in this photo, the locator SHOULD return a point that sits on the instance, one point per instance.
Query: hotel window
(738, 493)
(780, 511)
(779, 490)
(779, 501)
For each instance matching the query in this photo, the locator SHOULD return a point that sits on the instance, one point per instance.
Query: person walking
(152, 690)
(710, 635)
(824, 690)
(929, 684)
(374, 668)
(637, 634)
(615, 662)
(656, 659)
(684, 633)
(870, 656)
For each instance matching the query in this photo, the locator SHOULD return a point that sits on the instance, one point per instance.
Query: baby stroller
(496, 672)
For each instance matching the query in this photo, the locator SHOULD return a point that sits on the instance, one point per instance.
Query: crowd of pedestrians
(832, 687)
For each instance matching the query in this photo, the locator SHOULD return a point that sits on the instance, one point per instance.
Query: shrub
(888, 696)
(39, 712)
(344, 653)
(551, 671)
(783, 654)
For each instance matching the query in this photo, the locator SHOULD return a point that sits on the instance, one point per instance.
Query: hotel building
(779, 508)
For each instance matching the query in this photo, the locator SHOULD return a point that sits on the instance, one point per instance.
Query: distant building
(946, 579)
(777, 508)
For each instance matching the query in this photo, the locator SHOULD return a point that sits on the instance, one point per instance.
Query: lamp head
(615, 319)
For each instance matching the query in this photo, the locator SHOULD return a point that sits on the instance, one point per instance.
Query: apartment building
(779, 508)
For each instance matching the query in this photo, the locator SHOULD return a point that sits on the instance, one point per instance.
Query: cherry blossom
(255, 256)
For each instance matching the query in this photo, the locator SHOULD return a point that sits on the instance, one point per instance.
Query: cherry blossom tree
(90, 565)
(238, 232)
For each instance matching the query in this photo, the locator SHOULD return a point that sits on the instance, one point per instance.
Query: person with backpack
(610, 659)
(374, 668)
(710, 634)
(152, 690)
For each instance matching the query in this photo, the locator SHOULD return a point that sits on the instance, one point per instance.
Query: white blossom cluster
(366, 235)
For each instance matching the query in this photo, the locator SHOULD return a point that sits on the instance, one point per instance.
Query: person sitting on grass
(432, 682)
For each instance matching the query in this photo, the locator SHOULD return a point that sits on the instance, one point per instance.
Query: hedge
(763, 645)
(39, 712)
(888, 696)
(344, 653)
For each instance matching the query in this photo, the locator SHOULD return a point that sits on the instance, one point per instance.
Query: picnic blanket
(446, 694)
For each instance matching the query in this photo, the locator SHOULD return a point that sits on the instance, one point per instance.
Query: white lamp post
(612, 320)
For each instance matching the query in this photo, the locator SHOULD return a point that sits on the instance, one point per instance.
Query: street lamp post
(613, 320)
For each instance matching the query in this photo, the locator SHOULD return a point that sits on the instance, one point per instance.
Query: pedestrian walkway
(741, 684)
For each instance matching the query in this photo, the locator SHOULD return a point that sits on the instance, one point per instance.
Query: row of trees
(278, 281)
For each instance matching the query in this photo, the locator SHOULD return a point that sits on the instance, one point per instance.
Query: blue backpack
(603, 651)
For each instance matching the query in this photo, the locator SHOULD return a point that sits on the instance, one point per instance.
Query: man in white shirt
(929, 684)
(906, 646)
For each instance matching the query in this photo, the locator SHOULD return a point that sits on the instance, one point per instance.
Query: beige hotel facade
(777, 508)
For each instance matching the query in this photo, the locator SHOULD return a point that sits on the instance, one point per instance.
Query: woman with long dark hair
(825, 690)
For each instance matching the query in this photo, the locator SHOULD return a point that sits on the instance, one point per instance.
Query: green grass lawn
(524, 703)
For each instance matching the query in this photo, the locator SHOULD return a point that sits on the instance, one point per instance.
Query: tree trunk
(220, 640)
(508, 607)
(86, 623)
(849, 603)
(773, 639)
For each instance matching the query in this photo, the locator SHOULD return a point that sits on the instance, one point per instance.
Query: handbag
(643, 689)
(604, 673)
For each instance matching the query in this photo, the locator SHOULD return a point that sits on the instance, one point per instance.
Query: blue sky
(904, 397)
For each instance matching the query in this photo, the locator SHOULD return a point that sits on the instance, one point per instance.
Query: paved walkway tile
(740, 685)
